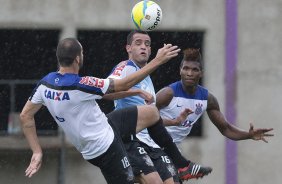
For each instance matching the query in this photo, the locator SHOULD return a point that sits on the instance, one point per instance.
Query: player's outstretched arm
(29, 130)
(229, 130)
(260, 133)
(131, 92)
(164, 55)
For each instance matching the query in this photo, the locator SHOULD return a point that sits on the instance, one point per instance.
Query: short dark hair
(130, 35)
(67, 50)
(192, 54)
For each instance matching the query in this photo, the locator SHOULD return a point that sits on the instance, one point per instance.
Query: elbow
(24, 117)
(222, 130)
(225, 133)
(127, 85)
(123, 87)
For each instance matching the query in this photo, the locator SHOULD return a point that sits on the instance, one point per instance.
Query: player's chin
(189, 83)
(143, 59)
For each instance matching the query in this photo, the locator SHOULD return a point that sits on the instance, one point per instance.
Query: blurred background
(241, 45)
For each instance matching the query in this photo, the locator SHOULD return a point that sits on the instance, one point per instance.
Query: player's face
(190, 73)
(140, 48)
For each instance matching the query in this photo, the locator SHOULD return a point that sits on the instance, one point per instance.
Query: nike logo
(178, 105)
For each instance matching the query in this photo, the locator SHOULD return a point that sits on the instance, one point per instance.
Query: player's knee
(154, 113)
(148, 115)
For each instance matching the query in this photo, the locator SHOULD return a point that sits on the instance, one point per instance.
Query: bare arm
(164, 55)
(29, 130)
(229, 130)
(131, 92)
(164, 97)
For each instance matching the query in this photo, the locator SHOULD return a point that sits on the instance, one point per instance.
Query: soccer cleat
(193, 171)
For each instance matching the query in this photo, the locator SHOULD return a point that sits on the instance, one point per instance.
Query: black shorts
(162, 162)
(114, 163)
(142, 158)
(139, 159)
(124, 122)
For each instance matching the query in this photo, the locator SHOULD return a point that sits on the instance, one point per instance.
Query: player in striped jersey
(176, 102)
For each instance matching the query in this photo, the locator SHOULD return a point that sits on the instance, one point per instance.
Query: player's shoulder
(57, 79)
(125, 63)
(48, 78)
(176, 85)
(49, 75)
(122, 69)
(203, 90)
(166, 91)
(202, 93)
(72, 81)
(169, 90)
(131, 63)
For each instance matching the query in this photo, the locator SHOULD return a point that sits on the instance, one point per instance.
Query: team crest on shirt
(199, 108)
(57, 80)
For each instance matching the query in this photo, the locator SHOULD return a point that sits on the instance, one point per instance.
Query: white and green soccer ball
(146, 15)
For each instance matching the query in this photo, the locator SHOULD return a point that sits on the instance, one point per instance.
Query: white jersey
(181, 100)
(122, 70)
(71, 101)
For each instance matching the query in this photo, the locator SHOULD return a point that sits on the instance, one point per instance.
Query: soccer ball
(146, 15)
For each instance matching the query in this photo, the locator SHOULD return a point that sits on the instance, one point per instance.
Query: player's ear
(77, 59)
(128, 48)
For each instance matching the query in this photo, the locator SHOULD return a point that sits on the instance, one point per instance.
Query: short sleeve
(94, 85)
(35, 96)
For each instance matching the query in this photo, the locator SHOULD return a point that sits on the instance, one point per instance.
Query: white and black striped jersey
(71, 101)
(181, 100)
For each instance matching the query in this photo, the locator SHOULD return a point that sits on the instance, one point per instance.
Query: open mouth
(143, 53)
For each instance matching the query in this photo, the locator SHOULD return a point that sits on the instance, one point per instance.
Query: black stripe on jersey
(67, 88)
(33, 91)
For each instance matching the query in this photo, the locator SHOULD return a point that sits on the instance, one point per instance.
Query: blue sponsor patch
(58, 96)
